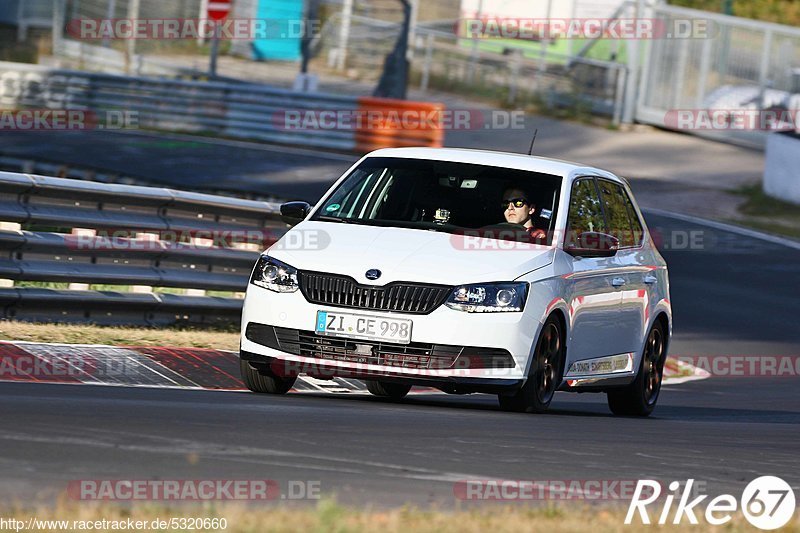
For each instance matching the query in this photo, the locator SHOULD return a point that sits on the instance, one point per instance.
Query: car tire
(394, 391)
(545, 375)
(640, 397)
(262, 380)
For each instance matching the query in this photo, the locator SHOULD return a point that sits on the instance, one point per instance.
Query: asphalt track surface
(732, 295)
(185, 162)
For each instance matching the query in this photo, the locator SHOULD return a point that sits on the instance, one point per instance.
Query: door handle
(618, 282)
(650, 279)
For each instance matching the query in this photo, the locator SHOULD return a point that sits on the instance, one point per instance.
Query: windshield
(446, 196)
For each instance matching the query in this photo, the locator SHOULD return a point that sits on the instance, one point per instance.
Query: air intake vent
(343, 291)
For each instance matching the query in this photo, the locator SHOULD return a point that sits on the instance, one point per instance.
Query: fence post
(679, 74)
(546, 41)
(426, 66)
(513, 83)
(705, 65)
(58, 22)
(112, 9)
(473, 56)
(130, 56)
(22, 28)
(344, 34)
(763, 68)
(619, 97)
(634, 64)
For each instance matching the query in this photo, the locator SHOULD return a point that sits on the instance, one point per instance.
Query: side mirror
(295, 212)
(592, 244)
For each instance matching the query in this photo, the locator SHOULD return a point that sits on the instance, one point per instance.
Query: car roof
(544, 165)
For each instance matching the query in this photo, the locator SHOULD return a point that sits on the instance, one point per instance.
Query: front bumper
(513, 332)
(450, 384)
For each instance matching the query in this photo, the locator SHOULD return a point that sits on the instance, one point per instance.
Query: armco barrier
(70, 231)
(236, 110)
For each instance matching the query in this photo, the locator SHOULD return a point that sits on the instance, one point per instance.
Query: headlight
(489, 297)
(274, 275)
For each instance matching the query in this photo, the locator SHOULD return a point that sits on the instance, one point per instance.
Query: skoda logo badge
(373, 273)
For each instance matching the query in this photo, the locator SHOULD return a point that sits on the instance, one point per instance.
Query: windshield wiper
(328, 218)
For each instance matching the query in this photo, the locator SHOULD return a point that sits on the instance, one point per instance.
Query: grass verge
(328, 516)
(220, 339)
(769, 214)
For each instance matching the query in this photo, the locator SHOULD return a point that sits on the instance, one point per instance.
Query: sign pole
(212, 69)
(217, 11)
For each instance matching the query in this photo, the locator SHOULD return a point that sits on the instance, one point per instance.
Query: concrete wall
(782, 167)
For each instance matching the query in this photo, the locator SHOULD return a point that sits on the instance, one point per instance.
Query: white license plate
(333, 323)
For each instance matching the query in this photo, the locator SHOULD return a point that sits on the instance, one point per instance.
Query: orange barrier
(388, 123)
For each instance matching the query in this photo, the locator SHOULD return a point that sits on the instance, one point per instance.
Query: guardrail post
(197, 242)
(146, 237)
(81, 232)
(8, 226)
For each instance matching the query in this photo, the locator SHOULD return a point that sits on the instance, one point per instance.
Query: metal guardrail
(227, 109)
(150, 237)
(237, 110)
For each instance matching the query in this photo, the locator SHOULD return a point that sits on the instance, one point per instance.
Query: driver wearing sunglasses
(519, 210)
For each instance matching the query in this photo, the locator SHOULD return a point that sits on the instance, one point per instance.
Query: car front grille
(413, 355)
(344, 291)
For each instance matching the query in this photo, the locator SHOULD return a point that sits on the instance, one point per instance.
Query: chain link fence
(742, 69)
(354, 40)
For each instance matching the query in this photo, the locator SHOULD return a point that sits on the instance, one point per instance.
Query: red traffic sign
(218, 9)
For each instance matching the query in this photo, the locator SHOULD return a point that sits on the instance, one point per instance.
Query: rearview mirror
(295, 212)
(592, 244)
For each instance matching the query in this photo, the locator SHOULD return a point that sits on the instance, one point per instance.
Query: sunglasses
(517, 202)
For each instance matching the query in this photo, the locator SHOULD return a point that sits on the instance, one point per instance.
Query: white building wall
(539, 8)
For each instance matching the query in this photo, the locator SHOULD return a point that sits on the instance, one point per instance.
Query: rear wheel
(640, 397)
(394, 391)
(545, 375)
(261, 379)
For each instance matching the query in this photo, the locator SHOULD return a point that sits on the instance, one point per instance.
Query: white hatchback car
(408, 272)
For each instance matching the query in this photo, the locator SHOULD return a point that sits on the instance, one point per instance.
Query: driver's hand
(538, 235)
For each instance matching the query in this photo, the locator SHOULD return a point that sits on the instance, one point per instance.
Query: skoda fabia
(465, 271)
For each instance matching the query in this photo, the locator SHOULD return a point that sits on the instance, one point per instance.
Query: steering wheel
(504, 225)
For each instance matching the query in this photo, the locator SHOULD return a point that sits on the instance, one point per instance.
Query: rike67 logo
(767, 502)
